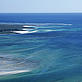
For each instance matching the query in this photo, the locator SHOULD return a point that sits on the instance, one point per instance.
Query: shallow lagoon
(52, 54)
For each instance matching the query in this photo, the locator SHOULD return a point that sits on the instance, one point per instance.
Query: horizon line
(37, 12)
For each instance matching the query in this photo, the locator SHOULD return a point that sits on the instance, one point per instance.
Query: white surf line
(49, 30)
(28, 26)
(14, 72)
(24, 32)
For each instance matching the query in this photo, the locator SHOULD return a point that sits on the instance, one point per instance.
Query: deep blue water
(74, 18)
(52, 54)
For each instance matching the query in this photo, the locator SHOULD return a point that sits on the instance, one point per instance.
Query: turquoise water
(52, 54)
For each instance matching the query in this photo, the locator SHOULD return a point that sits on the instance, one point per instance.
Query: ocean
(53, 53)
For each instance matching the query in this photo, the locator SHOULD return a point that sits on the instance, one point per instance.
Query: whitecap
(24, 32)
(13, 72)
